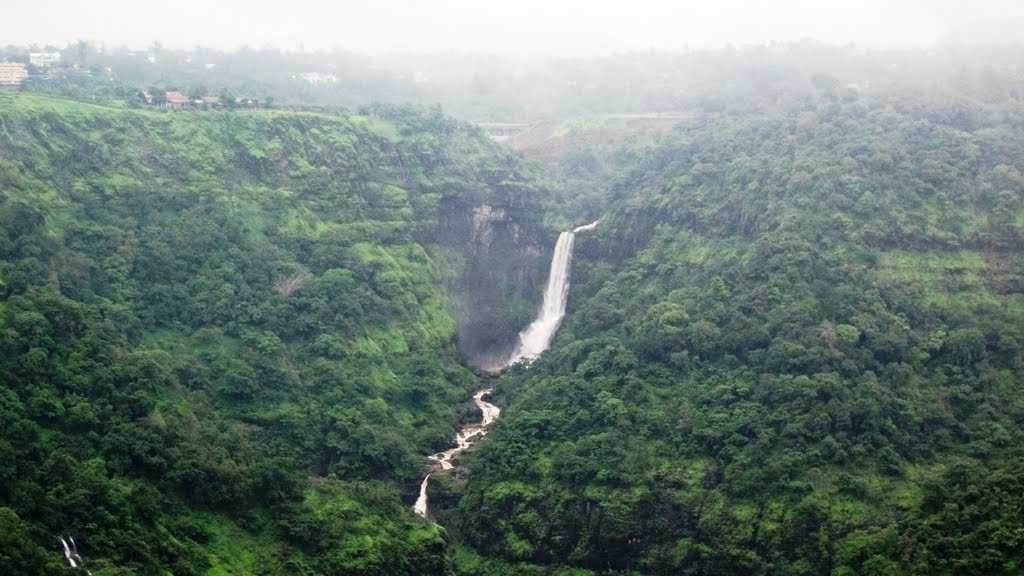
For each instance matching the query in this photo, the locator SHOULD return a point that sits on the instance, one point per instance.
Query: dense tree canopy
(230, 332)
(795, 343)
(795, 347)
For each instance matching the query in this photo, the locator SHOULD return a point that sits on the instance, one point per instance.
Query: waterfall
(533, 341)
(421, 502)
(68, 554)
(72, 556)
(536, 338)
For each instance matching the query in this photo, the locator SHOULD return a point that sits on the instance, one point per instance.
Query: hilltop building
(44, 59)
(176, 100)
(317, 78)
(247, 102)
(12, 75)
(502, 131)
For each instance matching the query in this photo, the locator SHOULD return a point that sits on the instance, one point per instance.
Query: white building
(44, 59)
(317, 78)
(12, 74)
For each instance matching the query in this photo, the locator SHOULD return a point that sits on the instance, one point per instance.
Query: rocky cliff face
(503, 248)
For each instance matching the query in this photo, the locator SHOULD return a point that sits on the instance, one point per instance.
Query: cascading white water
(420, 507)
(72, 556)
(533, 341)
(536, 338)
(68, 555)
(463, 440)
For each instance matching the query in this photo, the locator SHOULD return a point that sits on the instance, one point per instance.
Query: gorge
(533, 341)
(228, 340)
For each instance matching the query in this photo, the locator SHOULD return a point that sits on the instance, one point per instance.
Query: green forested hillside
(795, 343)
(227, 339)
(794, 347)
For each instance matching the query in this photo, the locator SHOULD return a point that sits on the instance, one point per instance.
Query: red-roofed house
(177, 100)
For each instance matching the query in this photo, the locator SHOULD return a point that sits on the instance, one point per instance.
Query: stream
(463, 440)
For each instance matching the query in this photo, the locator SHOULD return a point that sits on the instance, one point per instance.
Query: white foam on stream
(463, 440)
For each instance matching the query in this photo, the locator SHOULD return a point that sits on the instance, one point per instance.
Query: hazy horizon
(573, 28)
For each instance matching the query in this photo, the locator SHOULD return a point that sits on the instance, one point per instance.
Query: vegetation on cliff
(795, 347)
(226, 340)
(794, 344)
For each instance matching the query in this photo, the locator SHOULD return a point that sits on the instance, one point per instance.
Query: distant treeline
(476, 87)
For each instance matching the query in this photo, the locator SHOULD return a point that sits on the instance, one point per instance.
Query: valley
(775, 328)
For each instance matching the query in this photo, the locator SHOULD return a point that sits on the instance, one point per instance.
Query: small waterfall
(71, 554)
(421, 502)
(68, 554)
(536, 338)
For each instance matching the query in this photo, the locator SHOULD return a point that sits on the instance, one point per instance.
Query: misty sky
(557, 27)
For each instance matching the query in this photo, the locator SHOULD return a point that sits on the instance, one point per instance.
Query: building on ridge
(176, 100)
(12, 75)
(44, 59)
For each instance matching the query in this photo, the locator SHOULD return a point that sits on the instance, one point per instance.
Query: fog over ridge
(528, 27)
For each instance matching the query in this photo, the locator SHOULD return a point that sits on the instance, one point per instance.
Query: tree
(18, 553)
(82, 51)
(227, 99)
(197, 92)
(158, 95)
